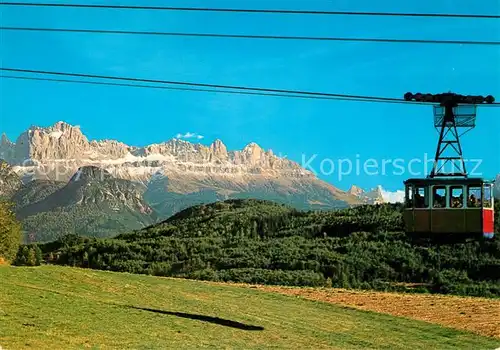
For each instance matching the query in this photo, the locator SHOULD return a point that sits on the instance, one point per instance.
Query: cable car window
(439, 197)
(487, 196)
(457, 197)
(474, 197)
(421, 197)
(409, 196)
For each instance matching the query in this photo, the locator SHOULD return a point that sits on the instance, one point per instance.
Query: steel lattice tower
(453, 117)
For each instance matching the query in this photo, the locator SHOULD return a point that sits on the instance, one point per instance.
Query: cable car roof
(449, 181)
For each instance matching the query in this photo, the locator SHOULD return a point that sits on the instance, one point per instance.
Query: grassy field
(65, 308)
(478, 315)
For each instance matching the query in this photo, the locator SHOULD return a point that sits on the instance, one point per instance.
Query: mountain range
(61, 182)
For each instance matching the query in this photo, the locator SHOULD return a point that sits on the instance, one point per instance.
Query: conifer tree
(10, 232)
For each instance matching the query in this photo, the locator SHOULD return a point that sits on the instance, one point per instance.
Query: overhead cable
(200, 90)
(204, 85)
(256, 11)
(287, 95)
(245, 36)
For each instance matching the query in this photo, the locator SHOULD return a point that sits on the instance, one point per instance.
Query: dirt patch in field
(478, 315)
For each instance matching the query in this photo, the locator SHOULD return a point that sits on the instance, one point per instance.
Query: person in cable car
(419, 200)
(439, 201)
(457, 202)
(473, 203)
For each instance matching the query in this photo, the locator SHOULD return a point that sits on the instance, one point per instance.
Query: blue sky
(297, 128)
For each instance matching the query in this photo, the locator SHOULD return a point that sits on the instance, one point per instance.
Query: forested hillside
(262, 242)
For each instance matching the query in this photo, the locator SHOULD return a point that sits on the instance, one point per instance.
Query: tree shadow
(203, 318)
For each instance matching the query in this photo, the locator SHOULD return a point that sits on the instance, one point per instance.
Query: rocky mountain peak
(355, 190)
(374, 196)
(252, 147)
(4, 140)
(7, 149)
(9, 181)
(63, 126)
(218, 149)
(108, 149)
(90, 173)
(60, 141)
(253, 154)
(63, 148)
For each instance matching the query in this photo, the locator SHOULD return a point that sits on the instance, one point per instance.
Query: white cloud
(189, 135)
(393, 197)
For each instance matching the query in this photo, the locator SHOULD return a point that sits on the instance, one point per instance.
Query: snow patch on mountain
(377, 195)
(393, 197)
(56, 134)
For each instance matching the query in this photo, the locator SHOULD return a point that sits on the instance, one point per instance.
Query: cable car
(450, 204)
(449, 207)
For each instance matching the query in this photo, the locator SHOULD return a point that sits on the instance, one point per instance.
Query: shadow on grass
(203, 318)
